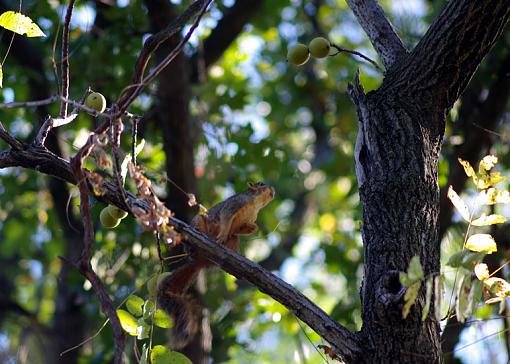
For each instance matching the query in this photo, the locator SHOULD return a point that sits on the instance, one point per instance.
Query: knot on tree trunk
(390, 297)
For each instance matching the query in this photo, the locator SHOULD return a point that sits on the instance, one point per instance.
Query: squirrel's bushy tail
(180, 306)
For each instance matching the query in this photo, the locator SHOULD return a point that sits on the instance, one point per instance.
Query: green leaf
(481, 243)
(461, 304)
(144, 359)
(428, 298)
(438, 296)
(415, 270)
(148, 308)
(464, 258)
(20, 24)
(128, 322)
(143, 330)
(162, 319)
(161, 355)
(474, 295)
(134, 305)
(459, 204)
(410, 297)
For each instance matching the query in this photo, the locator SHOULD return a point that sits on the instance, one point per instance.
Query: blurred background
(227, 111)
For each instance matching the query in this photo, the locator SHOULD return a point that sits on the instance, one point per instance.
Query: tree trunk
(400, 197)
(397, 151)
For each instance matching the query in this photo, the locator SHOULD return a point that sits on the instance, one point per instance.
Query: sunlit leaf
(1, 77)
(20, 24)
(470, 172)
(459, 204)
(489, 180)
(494, 300)
(162, 319)
(487, 163)
(481, 243)
(148, 309)
(128, 158)
(481, 271)
(493, 196)
(499, 287)
(410, 297)
(128, 322)
(486, 220)
(161, 355)
(134, 305)
(143, 330)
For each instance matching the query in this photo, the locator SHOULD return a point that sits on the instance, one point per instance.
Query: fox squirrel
(224, 222)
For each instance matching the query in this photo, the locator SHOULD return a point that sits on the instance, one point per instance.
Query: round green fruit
(319, 47)
(298, 54)
(107, 220)
(96, 101)
(116, 212)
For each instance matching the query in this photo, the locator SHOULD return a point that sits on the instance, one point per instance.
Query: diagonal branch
(441, 65)
(344, 342)
(379, 30)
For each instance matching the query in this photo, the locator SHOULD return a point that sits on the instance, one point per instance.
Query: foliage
(294, 128)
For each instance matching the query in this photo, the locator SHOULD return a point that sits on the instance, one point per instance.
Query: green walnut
(107, 220)
(115, 212)
(298, 54)
(319, 47)
(96, 101)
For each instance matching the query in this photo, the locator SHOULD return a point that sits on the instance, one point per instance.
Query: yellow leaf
(493, 196)
(410, 297)
(20, 24)
(487, 163)
(128, 322)
(486, 220)
(459, 204)
(1, 77)
(481, 271)
(481, 243)
(470, 172)
(498, 287)
(494, 300)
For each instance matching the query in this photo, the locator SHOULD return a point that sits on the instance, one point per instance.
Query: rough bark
(401, 128)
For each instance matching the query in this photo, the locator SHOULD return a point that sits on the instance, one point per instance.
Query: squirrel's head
(263, 193)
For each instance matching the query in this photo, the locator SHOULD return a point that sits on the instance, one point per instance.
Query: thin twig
(12, 105)
(84, 265)
(65, 58)
(133, 92)
(342, 49)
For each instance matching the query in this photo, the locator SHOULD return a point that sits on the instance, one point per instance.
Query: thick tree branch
(343, 341)
(379, 30)
(443, 62)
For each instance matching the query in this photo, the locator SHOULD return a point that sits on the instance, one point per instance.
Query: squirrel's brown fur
(224, 222)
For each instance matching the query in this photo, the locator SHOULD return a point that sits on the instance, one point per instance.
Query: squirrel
(224, 222)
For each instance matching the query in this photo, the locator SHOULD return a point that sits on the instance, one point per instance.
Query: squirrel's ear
(251, 186)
